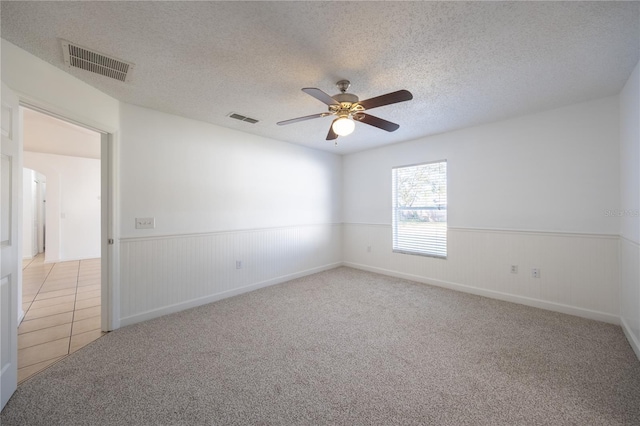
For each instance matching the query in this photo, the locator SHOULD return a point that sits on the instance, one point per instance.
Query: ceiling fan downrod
(343, 85)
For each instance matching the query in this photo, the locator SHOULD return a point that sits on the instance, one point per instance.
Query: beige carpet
(344, 347)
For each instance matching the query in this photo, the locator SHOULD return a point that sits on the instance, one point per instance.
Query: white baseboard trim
(633, 340)
(75, 259)
(177, 307)
(536, 303)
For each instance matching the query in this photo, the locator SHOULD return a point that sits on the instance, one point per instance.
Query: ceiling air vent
(92, 61)
(243, 118)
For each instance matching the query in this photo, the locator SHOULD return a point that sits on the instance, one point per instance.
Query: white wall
(196, 177)
(48, 87)
(29, 249)
(272, 205)
(552, 171)
(72, 207)
(629, 209)
(32, 186)
(530, 191)
(218, 196)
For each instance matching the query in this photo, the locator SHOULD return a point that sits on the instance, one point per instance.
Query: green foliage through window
(419, 218)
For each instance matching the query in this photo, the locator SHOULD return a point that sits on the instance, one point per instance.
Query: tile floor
(62, 311)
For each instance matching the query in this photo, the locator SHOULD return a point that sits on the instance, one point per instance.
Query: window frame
(394, 209)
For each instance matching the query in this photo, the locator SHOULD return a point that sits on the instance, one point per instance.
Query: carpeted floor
(344, 347)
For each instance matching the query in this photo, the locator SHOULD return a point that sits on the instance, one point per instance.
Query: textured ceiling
(465, 63)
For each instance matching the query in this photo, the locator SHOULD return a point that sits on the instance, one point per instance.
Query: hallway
(61, 302)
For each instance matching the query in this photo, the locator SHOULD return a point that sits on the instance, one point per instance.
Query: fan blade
(377, 122)
(332, 135)
(320, 95)
(388, 99)
(306, 117)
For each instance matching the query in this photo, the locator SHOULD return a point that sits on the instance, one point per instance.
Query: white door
(10, 257)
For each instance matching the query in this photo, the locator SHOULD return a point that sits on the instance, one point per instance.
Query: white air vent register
(95, 62)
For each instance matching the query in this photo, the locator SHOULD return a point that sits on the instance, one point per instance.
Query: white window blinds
(419, 217)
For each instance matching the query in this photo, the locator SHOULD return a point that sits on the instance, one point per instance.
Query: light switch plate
(145, 222)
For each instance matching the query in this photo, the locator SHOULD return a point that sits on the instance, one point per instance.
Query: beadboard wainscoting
(166, 274)
(630, 291)
(579, 273)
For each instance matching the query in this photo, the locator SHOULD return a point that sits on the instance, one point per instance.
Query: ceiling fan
(348, 108)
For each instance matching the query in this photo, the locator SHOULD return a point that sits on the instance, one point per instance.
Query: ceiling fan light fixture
(343, 126)
(347, 108)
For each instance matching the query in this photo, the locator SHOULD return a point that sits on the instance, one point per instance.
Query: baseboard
(75, 259)
(633, 340)
(177, 307)
(536, 303)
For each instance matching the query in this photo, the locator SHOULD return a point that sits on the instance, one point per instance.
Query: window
(419, 218)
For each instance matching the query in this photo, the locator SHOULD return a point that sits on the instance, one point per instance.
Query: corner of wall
(629, 265)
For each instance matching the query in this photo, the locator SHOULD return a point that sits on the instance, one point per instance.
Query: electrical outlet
(238, 264)
(535, 273)
(514, 269)
(145, 222)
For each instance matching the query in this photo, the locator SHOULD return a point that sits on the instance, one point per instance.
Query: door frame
(110, 306)
(11, 253)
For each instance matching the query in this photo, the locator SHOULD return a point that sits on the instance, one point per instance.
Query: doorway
(61, 286)
(33, 213)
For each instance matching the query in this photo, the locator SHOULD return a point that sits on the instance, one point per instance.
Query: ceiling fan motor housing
(347, 101)
(347, 105)
(346, 97)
